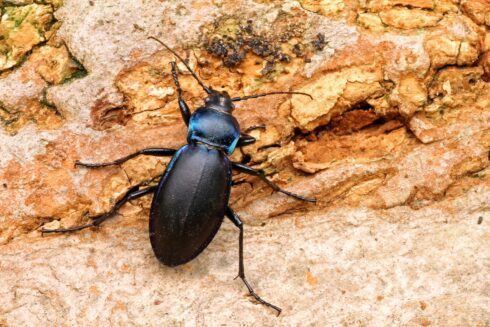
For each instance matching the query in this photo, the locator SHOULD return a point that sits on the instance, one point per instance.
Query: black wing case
(189, 204)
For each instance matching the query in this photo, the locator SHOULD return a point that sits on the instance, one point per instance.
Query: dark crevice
(411, 7)
(245, 157)
(434, 73)
(49, 105)
(80, 72)
(335, 125)
(363, 105)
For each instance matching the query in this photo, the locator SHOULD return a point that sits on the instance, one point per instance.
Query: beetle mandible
(191, 199)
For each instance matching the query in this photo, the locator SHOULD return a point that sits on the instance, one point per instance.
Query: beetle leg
(243, 141)
(132, 194)
(184, 108)
(159, 152)
(246, 140)
(254, 172)
(254, 127)
(241, 269)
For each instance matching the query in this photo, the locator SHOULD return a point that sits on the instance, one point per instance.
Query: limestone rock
(394, 144)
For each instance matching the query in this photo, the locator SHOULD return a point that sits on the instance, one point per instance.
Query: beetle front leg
(184, 108)
(132, 194)
(157, 152)
(246, 140)
(254, 172)
(241, 267)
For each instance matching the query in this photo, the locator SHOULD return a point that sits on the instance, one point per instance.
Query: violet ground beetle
(191, 199)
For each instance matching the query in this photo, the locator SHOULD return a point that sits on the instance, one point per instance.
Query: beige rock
(478, 10)
(335, 93)
(405, 18)
(486, 42)
(378, 4)
(412, 93)
(324, 7)
(394, 145)
(371, 21)
(456, 41)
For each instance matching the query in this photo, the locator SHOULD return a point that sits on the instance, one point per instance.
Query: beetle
(191, 198)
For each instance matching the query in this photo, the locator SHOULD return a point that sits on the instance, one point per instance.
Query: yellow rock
(333, 94)
(405, 18)
(371, 22)
(21, 28)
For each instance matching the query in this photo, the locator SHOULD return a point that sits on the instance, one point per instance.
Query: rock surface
(394, 145)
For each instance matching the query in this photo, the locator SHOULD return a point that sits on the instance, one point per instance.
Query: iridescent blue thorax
(213, 127)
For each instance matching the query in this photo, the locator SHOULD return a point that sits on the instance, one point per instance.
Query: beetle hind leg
(241, 267)
(132, 194)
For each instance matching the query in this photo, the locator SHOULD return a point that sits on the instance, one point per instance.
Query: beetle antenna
(207, 89)
(269, 93)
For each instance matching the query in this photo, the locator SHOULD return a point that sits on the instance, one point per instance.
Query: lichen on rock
(21, 28)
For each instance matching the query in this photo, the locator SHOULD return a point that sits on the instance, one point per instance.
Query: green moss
(7, 117)
(21, 28)
(45, 103)
(478, 176)
(76, 75)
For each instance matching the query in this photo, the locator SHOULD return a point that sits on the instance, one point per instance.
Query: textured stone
(378, 5)
(478, 10)
(456, 42)
(371, 21)
(394, 145)
(335, 93)
(326, 8)
(405, 18)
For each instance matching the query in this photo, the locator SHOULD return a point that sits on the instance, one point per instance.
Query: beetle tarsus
(235, 219)
(66, 230)
(296, 196)
(258, 298)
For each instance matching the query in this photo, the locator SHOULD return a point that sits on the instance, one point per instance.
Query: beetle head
(219, 101)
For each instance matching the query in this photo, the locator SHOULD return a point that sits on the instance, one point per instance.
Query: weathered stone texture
(394, 145)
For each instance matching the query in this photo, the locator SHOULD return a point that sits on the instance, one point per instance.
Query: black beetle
(191, 198)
